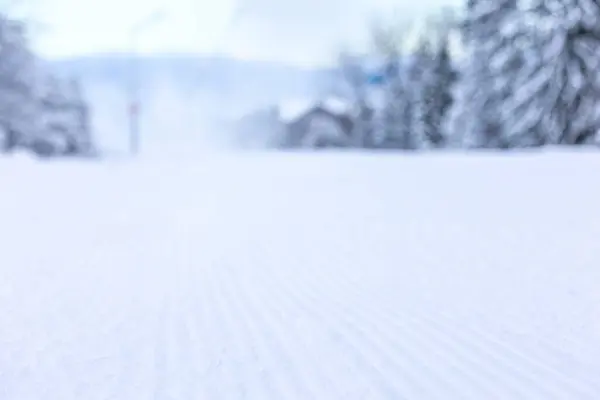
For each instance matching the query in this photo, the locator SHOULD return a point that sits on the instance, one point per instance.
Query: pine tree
(419, 95)
(559, 89)
(477, 115)
(444, 79)
(397, 109)
(395, 112)
(17, 85)
(65, 128)
(355, 90)
(508, 60)
(53, 135)
(433, 79)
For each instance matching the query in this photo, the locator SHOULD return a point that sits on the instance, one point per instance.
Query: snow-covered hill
(295, 276)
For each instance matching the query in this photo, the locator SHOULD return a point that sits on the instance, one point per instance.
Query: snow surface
(295, 276)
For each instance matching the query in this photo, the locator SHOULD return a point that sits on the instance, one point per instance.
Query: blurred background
(253, 73)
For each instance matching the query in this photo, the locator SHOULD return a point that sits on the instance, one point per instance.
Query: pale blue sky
(295, 31)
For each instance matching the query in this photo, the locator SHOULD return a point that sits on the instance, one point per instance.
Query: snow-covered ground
(290, 276)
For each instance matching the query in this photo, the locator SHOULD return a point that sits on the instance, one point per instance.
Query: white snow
(296, 276)
(336, 105)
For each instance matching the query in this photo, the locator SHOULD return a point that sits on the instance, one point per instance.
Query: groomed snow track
(301, 277)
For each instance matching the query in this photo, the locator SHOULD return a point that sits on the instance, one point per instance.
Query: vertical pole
(135, 139)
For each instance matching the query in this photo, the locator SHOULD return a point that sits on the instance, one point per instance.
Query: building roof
(292, 109)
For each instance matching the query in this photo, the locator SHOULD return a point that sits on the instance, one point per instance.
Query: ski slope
(289, 276)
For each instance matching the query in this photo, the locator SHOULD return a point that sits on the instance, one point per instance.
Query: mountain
(239, 83)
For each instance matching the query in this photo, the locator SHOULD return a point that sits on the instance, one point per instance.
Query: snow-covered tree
(507, 61)
(356, 92)
(396, 121)
(396, 111)
(481, 93)
(48, 116)
(443, 77)
(426, 124)
(54, 134)
(559, 90)
(17, 85)
(65, 127)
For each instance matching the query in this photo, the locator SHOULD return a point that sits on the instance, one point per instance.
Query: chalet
(317, 124)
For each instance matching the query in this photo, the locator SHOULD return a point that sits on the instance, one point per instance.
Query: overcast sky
(294, 31)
